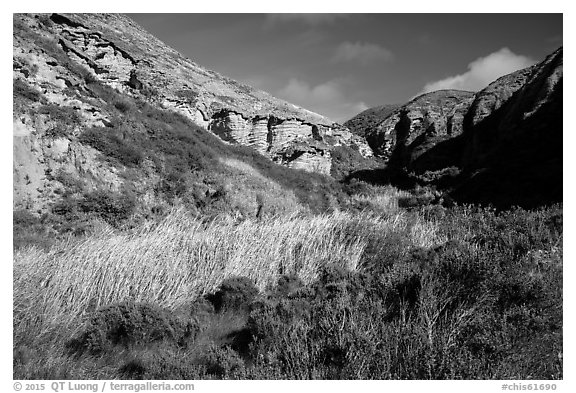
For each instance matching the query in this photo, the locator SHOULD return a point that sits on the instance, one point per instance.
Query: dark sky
(341, 64)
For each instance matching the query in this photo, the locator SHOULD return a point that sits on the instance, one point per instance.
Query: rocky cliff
(513, 138)
(116, 51)
(75, 73)
(369, 119)
(413, 129)
(505, 141)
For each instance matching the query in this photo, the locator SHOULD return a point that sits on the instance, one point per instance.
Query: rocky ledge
(116, 51)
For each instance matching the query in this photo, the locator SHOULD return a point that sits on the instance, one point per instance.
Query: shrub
(30, 230)
(90, 78)
(129, 324)
(109, 142)
(172, 185)
(222, 362)
(160, 362)
(23, 218)
(71, 183)
(66, 207)
(65, 119)
(123, 106)
(189, 96)
(415, 201)
(23, 89)
(114, 208)
(234, 293)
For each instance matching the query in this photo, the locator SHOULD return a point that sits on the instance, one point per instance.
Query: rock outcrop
(513, 155)
(61, 64)
(505, 140)
(369, 119)
(116, 51)
(415, 128)
(495, 95)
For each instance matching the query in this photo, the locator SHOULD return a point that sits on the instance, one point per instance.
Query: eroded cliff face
(514, 153)
(504, 142)
(116, 51)
(51, 107)
(60, 59)
(369, 119)
(511, 106)
(495, 95)
(414, 128)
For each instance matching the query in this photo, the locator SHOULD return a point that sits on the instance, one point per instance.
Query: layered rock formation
(115, 50)
(60, 59)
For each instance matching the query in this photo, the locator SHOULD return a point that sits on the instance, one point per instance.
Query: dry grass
(381, 198)
(248, 190)
(461, 288)
(181, 258)
(171, 262)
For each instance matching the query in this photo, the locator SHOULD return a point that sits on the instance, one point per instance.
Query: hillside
(414, 128)
(110, 122)
(365, 121)
(481, 147)
(514, 153)
(172, 224)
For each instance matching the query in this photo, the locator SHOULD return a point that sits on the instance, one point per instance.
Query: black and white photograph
(287, 196)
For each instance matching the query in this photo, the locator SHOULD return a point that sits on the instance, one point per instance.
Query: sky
(341, 64)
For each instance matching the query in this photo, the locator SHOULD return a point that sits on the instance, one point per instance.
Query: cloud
(482, 71)
(326, 98)
(361, 52)
(307, 19)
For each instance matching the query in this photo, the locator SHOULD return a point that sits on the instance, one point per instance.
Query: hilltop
(499, 146)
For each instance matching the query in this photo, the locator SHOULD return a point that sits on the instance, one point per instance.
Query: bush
(234, 293)
(23, 218)
(114, 208)
(65, 207)
(71, 183)
(65, 119)
(222, 362)
(173, 185)
(130, 324)
(30, 230)
(111, 144)
(23, 89)
(123, 106)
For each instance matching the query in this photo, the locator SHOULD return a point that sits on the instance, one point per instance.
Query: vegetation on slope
(163, 159)
(210, 261)
(432, 293)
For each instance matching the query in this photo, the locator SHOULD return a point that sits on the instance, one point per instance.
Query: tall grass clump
(383, 199)
(175, 260)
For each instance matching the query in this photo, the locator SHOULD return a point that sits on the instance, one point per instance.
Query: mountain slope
(514, 154)
(416, 127)
(109, 122)
(504, 142)
(368, 119)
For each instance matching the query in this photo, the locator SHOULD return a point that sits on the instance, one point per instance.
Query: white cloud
(327, 98)
(307, 19)
(361, 52)
(482, 71)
